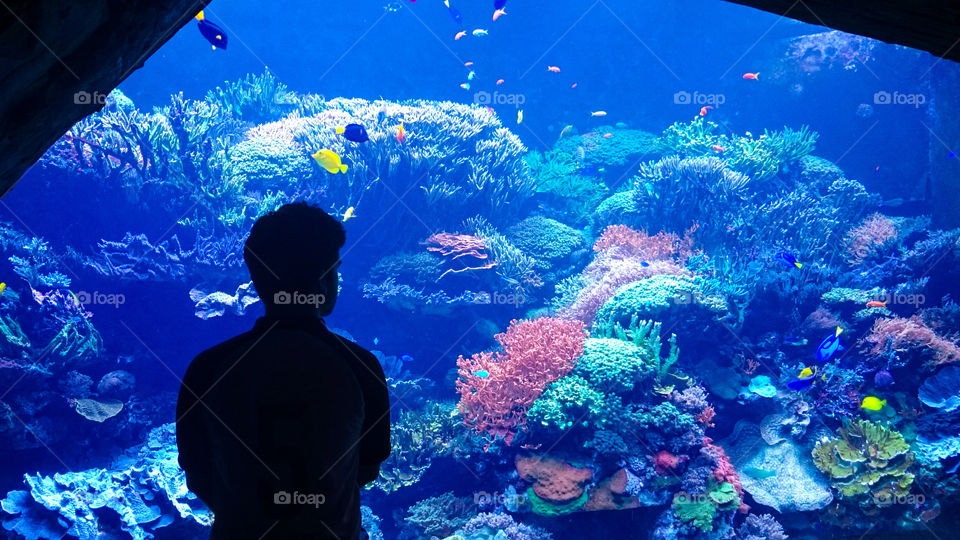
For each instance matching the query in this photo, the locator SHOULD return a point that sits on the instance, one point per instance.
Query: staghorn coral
(440, 515)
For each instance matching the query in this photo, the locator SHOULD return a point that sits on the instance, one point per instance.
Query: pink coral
(497, 389)
(862, 240)
(903, 334)
(665, 462)
(626, 255)
(724, 470)
(455, 246)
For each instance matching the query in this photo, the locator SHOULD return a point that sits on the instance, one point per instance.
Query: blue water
(832, 156)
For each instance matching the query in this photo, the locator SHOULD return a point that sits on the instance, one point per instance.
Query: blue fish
(829, 346)
(406, 358)
(644, 264)
(212, 33)
(354, 132)
(788, 260)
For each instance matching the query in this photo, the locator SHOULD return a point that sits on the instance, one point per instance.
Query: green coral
(619, 208)
(545, 239)
(614, 365)
(573, 402)
(646, 336)
(255, 98)
(867, 463)
(549, 508)
(263, 163)
(557, 174)
(623, 147)
(761, 158)
(650, 298)
(699, 510)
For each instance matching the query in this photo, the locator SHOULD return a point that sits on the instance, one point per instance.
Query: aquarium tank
(666, 270)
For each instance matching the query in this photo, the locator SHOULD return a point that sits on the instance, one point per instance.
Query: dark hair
(291, 248)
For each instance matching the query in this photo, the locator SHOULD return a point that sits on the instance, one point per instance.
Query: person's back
(279, 427)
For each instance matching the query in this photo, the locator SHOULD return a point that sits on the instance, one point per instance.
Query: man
(280, 427)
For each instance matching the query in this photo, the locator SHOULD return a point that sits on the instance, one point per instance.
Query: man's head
(293, 255)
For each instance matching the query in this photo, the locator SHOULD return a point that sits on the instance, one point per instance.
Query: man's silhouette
(279, 427)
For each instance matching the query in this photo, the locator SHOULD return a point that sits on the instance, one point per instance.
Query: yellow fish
(329, 160)
(520, 116)
(349, 214)
(807, 373)
(3, 287)
(872, 403)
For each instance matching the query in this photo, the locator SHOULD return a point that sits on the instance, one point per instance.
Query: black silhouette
(280, 427)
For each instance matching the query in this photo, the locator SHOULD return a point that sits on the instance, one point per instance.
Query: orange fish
(554, 69)
(459, 35)
(499, 82)
(718, 148)
(754, 76)
(607, 135)
(467, 64)
(401, 134)
(876, 303)
(498, 13)
(703, 110)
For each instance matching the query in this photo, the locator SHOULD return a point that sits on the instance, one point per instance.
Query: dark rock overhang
(59, 58)
(928, 25)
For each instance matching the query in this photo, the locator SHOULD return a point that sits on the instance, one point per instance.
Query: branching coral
(861, 241)
(497, 389)
(903, 335)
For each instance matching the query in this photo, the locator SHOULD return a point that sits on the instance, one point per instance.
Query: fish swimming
(349, 214)
(872, 403)
(330, 161)
(354, 132)
(788, 260)
(829, 346)
(211, 32)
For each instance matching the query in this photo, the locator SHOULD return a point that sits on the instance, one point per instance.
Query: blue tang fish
(788, 260)
(354, 132)
(829, 346)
